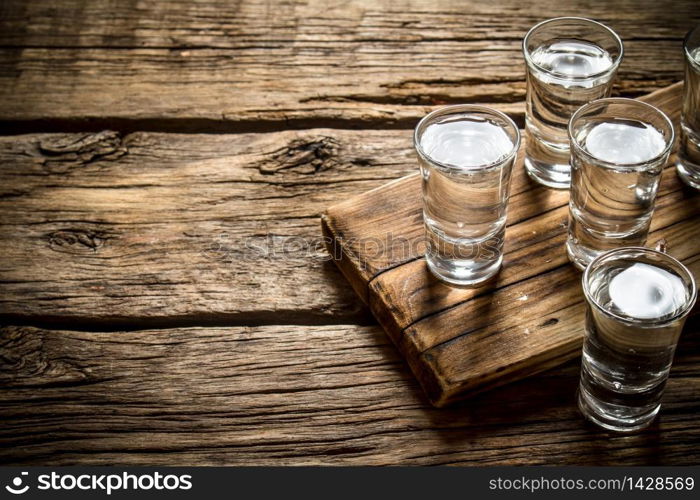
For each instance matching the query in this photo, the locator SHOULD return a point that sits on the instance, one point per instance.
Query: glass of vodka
(637, 302)
(688, 165)
(570, 62)
(466, 155)
(618, 149)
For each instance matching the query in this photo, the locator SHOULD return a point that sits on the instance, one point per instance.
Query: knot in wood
(63, 153)
(26, 360)
(76, 241)
(303, 156)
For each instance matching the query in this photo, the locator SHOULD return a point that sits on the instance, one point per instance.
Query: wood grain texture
(249, 65)
(529, 318)
(285, 395)
(191, 229)
(118, 231)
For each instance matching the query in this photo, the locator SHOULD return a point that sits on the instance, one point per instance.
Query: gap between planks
(212, 126)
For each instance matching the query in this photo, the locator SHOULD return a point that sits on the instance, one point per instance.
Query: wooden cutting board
(530, 318)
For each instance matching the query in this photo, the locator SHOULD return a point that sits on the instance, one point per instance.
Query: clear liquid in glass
(627, 357)
(565, 75)
(464, 198)
(612, 207)
(689, 148)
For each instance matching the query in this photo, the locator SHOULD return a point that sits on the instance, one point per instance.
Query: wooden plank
(208, 23)
(285, 395)
(182, 229)
(460, 341)
(257, 66)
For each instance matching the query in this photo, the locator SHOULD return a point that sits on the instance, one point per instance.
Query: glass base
(611, 417)
(579, 255)
(584, 244)
(689, 175)
(553, 175)
(465, 272)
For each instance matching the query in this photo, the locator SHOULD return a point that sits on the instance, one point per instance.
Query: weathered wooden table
(166, 298)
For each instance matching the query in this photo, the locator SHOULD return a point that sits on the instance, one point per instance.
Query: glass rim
(620, 165)
(582, 20)
(686, 46)
(466, 108)
(641, 321)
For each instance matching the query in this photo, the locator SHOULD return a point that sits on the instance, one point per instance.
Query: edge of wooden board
(343, 256)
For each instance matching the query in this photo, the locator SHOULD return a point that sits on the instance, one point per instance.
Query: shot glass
(688, 165)
(618, 149)
(637, 302)
(466, 155)
(570, 62)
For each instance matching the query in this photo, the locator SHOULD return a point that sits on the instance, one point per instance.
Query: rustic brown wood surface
(182, 227)
(287, 395)
(157, 215)
(459, 341)
(248, 65)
